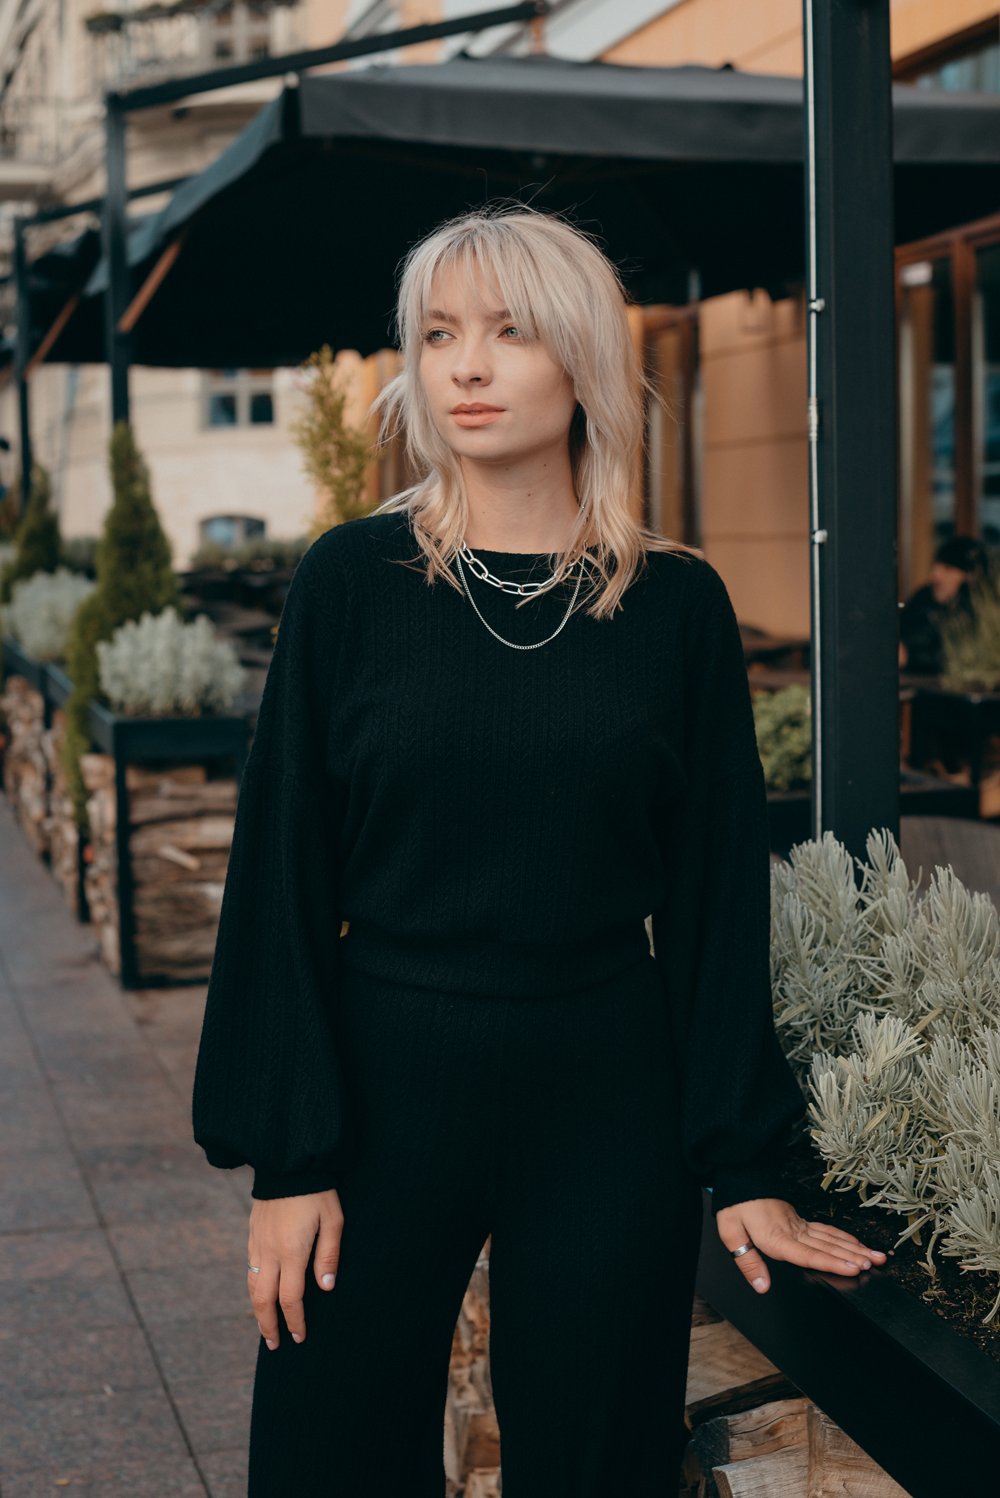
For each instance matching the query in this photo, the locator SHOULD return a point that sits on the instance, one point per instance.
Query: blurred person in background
(959, 560)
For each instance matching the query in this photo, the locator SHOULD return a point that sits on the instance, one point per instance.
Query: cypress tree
(37, 537)
(134, 577)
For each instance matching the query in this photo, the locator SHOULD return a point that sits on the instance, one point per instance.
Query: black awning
(293, 236)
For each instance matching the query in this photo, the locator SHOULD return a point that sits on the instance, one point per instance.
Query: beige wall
(754, 501)
(765, 36)
(196, 471)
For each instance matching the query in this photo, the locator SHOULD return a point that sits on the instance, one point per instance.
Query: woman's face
(496, 395)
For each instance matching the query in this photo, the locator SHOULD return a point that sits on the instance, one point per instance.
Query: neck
(526, 506)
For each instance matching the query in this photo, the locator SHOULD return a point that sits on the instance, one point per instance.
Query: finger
(753, 1268)
(810, 1256)
(844, 1246)
(290, 1287)
(263, 1289)
(328, 1251)
(846, 1240)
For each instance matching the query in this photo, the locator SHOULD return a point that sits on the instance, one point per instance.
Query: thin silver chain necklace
(512, 587)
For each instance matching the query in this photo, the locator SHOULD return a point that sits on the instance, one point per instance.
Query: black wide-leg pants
(552, 1125)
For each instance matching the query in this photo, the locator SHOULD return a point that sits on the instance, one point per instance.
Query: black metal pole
(114, 227)
(852, 417)
(23, 355)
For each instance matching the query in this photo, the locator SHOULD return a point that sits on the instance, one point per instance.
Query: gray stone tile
(203, 1242)
(77, 1430)
(161, 1479)
(226, 1472)
(108, 1059)
(158, 1183)
(42, 1189)
(28, 1121)
(186, 1291)
(29, 1257)
(31, 1307)
(62, 1358)
(215, 1414)
(150, 1115)
(222, 1348)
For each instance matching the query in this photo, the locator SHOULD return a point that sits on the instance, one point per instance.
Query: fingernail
(271, 1345)
(867, 1264)
(296, 1337)
(329, 1280)
(759, 1285)
(850, 1264)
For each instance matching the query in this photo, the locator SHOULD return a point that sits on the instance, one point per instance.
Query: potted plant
(888, 1005)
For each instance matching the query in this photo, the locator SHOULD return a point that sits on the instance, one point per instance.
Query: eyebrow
(437, 314)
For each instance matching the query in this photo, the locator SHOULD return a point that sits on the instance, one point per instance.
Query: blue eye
(515, 332)
(436, 335)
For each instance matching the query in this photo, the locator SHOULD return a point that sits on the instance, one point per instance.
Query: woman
(502, 726)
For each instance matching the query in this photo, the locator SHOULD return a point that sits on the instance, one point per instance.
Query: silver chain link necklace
(523, 590)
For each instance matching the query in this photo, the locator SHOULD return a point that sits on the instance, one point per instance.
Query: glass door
(927, 427)
(986, 393)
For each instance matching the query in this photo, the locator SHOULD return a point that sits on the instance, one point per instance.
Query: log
(217, 796)
(25, 769)
(783, 1474)
(139, 779)
(721, 1360)
(191, 835)
(838, 1468)
(751, 1433)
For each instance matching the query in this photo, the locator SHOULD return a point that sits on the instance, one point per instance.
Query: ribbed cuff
(754, 1181)
(268, 1188)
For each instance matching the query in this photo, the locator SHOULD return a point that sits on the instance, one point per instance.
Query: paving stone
(226, 1473)
(158, 1183)
(170, 1479)
(78, 1429)
(222, 1347)
(95, 1117)
(215, 1413)
(28, 1120)
(184, 1291)
(105, 1059)
(63, 1358)
(26, 1308)
(42, 1189)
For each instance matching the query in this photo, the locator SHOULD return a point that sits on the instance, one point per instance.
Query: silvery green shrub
(41, 611)
(887, 1004)
(162, 667)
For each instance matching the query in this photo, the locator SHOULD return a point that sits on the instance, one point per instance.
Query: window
(239, 397)
(231, 530)
(238, 32)
(968, 62)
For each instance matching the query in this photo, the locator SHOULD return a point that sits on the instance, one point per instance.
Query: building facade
(726, 466)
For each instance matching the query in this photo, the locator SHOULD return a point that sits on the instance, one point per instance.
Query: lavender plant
(41, 611)
(888, 1007)
(161, 666)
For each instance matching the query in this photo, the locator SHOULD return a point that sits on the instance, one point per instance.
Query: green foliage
(887, 1004)
(334, 454)
(784, 743)
(263, 554)
(79, 554)
(37, 537)
(971, 642)
(134, 577)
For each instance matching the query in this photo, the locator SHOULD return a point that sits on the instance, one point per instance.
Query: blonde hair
(555, 282)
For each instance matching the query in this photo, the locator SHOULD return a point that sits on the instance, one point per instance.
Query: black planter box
(789, 815)
(17, 662)
(920, 1398)
(139, 740)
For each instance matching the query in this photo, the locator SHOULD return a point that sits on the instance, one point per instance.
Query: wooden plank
(783, 1474)
(838, 1468)
(744, 1397)
(720, 1359)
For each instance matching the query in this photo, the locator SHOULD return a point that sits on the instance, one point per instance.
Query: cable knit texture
(498, 823)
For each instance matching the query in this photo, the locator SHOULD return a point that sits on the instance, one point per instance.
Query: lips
(476, 414)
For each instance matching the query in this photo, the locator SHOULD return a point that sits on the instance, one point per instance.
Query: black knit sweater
(498, 822)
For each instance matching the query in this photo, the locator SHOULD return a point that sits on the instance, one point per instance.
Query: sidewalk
(127, 1346)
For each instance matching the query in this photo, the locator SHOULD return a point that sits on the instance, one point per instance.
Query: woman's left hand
(776, 1229)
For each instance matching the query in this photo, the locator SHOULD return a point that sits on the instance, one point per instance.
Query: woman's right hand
(282, 1234)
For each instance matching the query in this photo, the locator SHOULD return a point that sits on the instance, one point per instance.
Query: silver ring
(744, 1248)
(253, 1268)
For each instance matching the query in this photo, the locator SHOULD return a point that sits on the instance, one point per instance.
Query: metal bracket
(818, 304)
(819, 538)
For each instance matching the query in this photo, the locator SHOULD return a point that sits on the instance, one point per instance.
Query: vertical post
(851, 417)
(23, 355)
(113, 227)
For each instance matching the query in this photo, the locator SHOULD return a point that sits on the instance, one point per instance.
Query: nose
(471, 366)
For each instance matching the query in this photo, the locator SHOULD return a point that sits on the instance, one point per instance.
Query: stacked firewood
(101, 868)
(755, 1436)
(471, 1434)
(63, 833)
(25, 773)
(180, 832)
